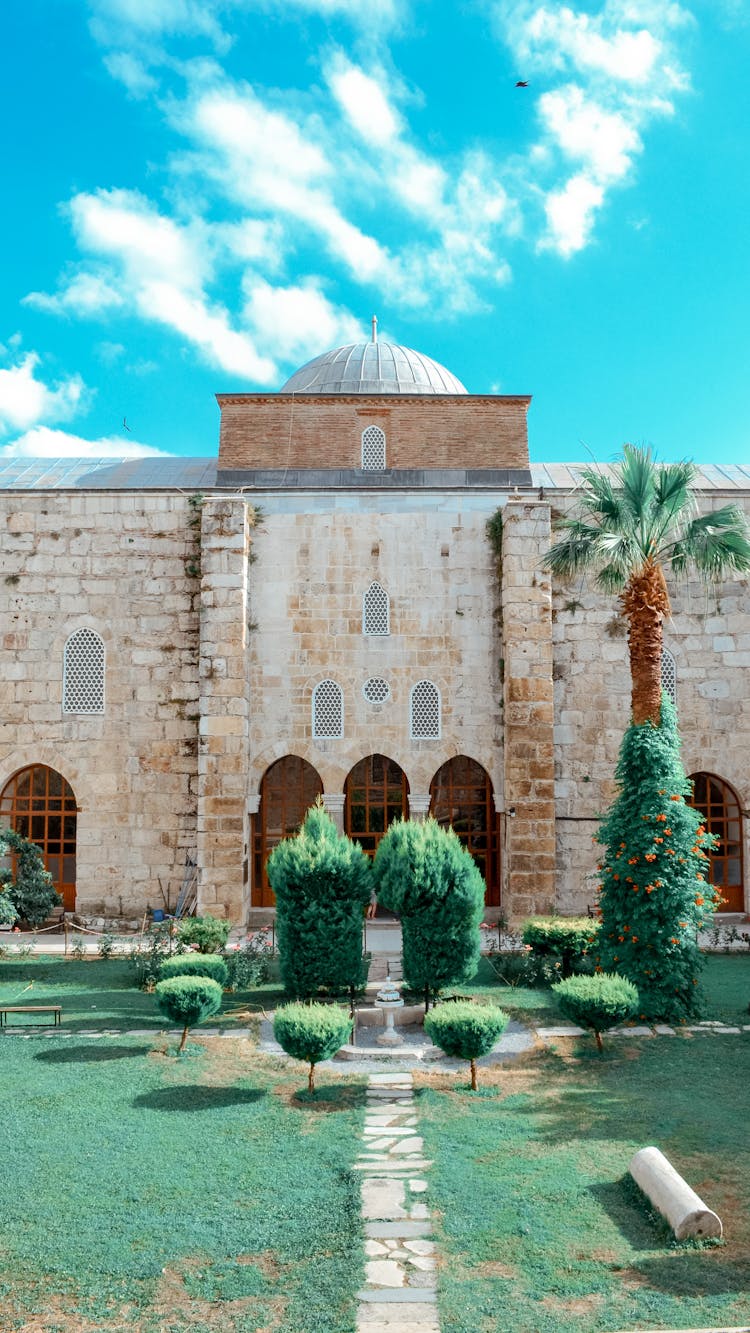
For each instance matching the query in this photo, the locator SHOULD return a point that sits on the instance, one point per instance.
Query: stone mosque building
(193, 649)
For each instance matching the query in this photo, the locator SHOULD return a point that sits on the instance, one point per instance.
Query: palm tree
(630, 527)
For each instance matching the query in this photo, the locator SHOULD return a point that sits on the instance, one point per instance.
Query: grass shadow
(90, 1054)
(696, 1274)
(330, 1097)
(631, 1213)
(197, 1097)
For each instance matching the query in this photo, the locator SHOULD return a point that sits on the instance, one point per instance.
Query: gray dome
(372, 367)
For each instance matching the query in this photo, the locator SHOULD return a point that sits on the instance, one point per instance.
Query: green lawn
(98, 994)
(147, 1194)
(539, 1228)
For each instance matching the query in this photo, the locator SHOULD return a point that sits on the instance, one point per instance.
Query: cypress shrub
(322, 881)
(431, 882)
(207, 934)
(311, 1032)
(567, 938)
(195, 965)
(31, 892)
(653, 895)
(188, 1000)
(466, 1031)
(598, 1002)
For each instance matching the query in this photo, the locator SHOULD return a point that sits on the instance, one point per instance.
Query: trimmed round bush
(568, 938)
(466, 1031)
(599, 1002)
(188, 1000)
(195, 965)
(311, 1032)
(208, 934)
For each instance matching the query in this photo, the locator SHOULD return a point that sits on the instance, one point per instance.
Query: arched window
(461, 798)
(669, 675)
(376, 611)
(424, 708)
(328, 711)
(40, 805)
(373, 449)
(721, 812)
(289, 788)
(83, 673)
(376, 793)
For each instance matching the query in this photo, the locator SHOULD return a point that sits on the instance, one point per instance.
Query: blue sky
(200, 195)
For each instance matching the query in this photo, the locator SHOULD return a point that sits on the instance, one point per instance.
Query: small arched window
(328, 711)
(376, 610)
(669, 675)
(83, 673)
(373, 449)
(424, 708)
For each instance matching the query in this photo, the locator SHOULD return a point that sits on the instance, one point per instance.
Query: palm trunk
(645, 603)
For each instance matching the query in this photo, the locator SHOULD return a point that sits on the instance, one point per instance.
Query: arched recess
(287, 790)
(376, 792)
(720, 808)
(461, 798)
(39, 804)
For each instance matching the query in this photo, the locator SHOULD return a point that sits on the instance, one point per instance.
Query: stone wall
(314, 431)
(115, 563)
(312, 569)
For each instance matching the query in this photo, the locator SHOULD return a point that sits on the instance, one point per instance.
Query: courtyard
(153, 1194)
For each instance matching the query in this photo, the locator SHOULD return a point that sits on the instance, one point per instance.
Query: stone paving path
(400, 1294)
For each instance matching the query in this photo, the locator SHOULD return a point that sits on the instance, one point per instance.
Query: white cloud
(364, 103)
(570, 214)
(42, 442)
(25, 400)
(131, 72)
(294, 323)
(86, 293)
(604, 141)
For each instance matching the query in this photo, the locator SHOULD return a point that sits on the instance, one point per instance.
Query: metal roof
(373, 367)
(108, 474)
(710, 476)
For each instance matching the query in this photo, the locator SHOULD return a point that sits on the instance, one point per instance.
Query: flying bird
(522, 83)
(125, 425)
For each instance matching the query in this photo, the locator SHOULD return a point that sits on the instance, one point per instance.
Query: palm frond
(576, 550)
(637, 476)
(674, 501)
(611, 579)
(715, 544)
(602, 499)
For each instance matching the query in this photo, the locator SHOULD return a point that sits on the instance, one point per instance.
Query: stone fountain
(388, 999)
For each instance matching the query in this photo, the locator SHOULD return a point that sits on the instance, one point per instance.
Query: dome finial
(374, 328)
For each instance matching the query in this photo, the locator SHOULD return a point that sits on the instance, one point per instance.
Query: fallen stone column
(686, 1213)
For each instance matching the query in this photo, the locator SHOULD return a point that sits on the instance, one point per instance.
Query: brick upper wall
(321, 431)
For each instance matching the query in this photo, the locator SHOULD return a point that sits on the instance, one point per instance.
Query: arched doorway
(461, 798)
(376, 793)
(289, 788)
(721, 811)
(39, 804)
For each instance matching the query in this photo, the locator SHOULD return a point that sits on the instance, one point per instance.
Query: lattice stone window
(373, 449)
(376, 690)
(669, 675)
(424, 706)
(328, 711)
(83, 673)
(376, 610)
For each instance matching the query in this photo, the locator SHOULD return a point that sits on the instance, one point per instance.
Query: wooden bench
(6, 1009)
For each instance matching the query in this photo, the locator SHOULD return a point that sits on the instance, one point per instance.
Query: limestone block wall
(116, 563)
(709, 637)
(529, 861)
(225, 709)
(434, 560)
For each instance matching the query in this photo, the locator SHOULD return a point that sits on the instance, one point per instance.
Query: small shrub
(466, 1031)
(188, 1000)
(599, 1002)
(566, 938)
(207, 934)
(78, 949)
(31, 891)
(148, 953)
(249, 965)
(8, 913)
(195, 965)
(106, 945)
(311, 1032)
